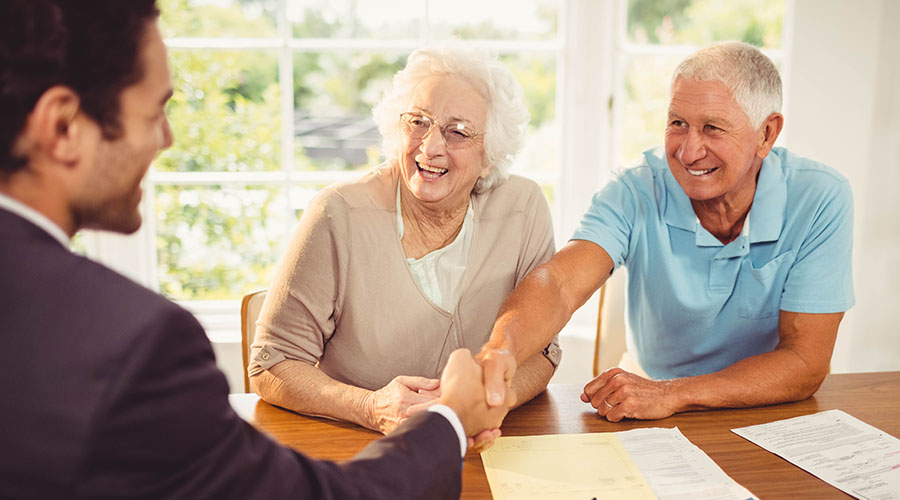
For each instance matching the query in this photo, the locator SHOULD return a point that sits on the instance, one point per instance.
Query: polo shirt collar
(677, 210)
(769, 201)
(767, 211)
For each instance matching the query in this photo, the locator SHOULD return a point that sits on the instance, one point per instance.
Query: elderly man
(111, 391)
(738, 257)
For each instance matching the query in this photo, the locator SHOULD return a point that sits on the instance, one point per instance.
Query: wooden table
(871, 397)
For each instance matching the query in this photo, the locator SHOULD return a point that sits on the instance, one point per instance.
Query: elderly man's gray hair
(751, 76)
(507, 116)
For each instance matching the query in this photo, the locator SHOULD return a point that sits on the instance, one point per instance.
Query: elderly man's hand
(618, 394)
(463, 391)
(499, 366)
(389, 406)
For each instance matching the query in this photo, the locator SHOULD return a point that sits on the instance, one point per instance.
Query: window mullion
(585, 84)
(286, 84)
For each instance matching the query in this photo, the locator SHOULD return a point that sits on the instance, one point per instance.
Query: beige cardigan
(344, 295)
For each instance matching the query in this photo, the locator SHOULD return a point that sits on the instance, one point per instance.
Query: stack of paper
(631, 465)
(843, 451)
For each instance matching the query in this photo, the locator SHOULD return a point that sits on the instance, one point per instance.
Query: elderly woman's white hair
(751, 76)
(507, 116)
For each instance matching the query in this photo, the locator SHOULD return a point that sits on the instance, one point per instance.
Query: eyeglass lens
(417, 126)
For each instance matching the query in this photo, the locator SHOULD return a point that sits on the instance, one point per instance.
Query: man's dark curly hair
(91, 46)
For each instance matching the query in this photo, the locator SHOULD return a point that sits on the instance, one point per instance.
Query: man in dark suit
(108, 389)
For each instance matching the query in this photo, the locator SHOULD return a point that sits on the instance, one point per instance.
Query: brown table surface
(871, 397)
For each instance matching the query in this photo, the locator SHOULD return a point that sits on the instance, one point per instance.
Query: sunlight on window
(655, 24)
(226, 198)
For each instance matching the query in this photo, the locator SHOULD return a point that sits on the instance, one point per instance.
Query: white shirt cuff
(451, 416)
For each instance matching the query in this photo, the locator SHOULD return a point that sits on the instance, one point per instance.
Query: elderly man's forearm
(769, 378)
(532, 378)
(531, 316)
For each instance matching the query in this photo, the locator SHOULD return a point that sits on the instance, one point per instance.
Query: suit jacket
(111, 391)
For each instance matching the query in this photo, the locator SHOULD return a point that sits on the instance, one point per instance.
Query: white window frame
(592, 105)
(591, 50)
(135, 255)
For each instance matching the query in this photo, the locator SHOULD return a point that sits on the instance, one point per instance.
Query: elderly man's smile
(699, 173)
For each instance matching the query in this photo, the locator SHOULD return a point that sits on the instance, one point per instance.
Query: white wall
(843, 108)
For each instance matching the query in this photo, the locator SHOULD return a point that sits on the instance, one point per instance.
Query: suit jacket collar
(14, 227)
(34, 217)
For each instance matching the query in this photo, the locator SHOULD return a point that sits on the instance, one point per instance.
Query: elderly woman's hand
(388, 406)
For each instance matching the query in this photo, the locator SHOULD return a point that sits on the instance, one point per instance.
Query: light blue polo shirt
(696, 306)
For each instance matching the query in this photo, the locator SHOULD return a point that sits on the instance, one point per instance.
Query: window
(273, 101)
(657, 34)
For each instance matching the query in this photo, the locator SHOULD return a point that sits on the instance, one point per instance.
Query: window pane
(218, 242)
(478, 19)
(225, 112)
(690, 22)
(698, 22)
(219, 18)
(355, 19)
(646, 105)
(540, 154)
(334, 93)
(77, 245)
(301, 194)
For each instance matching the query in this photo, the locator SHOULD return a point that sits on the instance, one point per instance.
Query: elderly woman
(387, 275)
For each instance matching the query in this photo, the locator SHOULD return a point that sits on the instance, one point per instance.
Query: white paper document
(676, 468)
(635, 464)
(838, 448)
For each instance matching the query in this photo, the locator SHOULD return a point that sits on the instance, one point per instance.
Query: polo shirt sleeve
(820, 281)
(610, 219)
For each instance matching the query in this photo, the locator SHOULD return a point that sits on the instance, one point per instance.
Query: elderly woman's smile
(430, 172)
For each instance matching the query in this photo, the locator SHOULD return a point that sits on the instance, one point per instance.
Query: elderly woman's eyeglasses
(456, 134)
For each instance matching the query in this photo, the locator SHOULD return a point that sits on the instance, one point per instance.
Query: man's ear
(768, 133)
(56, 128)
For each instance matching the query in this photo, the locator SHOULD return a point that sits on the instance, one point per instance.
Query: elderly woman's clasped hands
(403, 396)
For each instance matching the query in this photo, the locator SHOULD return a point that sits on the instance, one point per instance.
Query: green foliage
(218, 242)
(645, 17)
(753, 21)
(315, 25)
(341, 82)
(699, 22)
(225, 112)
(190, 18)
(694, 22)
(77, 244)
(214, 242)
(538, 78)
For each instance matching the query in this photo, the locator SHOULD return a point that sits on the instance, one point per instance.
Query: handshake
(477, 389)
(463, 390)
